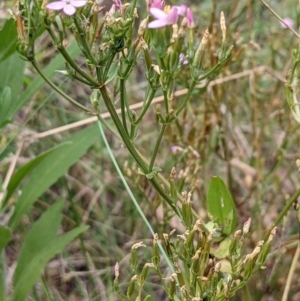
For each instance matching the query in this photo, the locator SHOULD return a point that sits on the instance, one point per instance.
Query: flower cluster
(166, 15)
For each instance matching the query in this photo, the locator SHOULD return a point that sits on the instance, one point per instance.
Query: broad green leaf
(5, 101)
(37, 84)
(8, 38)
(5, 236)
(43, 232)
(2, 275)
(33, 270)
(220, 205)
(50, 169)
(25, 170)
(39, 247)
(11, 75)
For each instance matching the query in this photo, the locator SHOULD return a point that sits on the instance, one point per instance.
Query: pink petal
(69, 9)
(56, 5)
(78, 3)
(190, 18)
(181, 9)
(157, 24)
(157, 13)
(172, 15)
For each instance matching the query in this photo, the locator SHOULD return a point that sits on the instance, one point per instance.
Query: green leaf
(8, 149)
(40, 236)
(38, 82)
(5, 236)
(40, 245)
(50, 169)
(25, 170)
(11, 75)
(8, 38)
(220, 205)
(112, 72)
(5, 101)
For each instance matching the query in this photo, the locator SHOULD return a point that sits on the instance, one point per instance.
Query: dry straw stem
(291, 274)
(279, 18)
(219, 81)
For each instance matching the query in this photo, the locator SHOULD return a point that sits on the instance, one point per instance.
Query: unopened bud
(142, 28)
(272, 234)
(117, 274)
(246, 226)
(197, 63)
(223, 26)
(131, 286)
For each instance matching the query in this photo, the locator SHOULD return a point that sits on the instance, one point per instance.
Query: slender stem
(125, 138)
(291, 274)
(186, 98)
(65, 54)
(132, 196)
(123, 101)
(146, 105)
(279, 18)
(59, 91)
(121, 129)
(157, 144)
(283, 212)
(67, 57)
(84, 42)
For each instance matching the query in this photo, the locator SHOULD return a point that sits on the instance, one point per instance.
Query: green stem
(67, 57)
(125, 138)
(123, 101)
(83, 41)
(157, 144)
(59, 91)
(146, 105)
(186, 98)
(132, 196)
(283, 212)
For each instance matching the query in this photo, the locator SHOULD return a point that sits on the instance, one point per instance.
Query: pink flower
(190, 18)
(183, 59)
(181, 10)
(156, 3)
(68, 6)
(162, 18)
(287, 21)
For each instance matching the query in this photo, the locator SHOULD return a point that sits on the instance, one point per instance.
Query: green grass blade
(51, 168)
(24, 171)
(37, 249)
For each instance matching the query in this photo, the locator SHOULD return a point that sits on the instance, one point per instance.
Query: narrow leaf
(50, 169)
(11, 75)
(5, 236)
(5, 100)
(33, 270)
(25, 170)
(39, 247)
(8, 38)
(40, 236)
